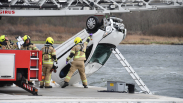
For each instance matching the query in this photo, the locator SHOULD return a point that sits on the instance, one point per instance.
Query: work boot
(41, 86)
(65, 84)
(85, 86)
(48, 86)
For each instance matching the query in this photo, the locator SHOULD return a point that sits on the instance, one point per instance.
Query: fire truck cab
(20, 66)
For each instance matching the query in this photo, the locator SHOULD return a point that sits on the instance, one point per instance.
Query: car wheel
(92, 24)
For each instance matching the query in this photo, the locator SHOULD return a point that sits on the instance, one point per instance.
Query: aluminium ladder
(80, 7)
(34, 65)
(131, 71)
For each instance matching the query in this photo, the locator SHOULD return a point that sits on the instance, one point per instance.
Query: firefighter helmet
(26, 37)
(2, 38)
(50, 40)
(77, 40)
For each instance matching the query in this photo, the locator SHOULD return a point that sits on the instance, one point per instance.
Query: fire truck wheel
(92, 24)
(19, 76)
(9, 84)
(2, 84)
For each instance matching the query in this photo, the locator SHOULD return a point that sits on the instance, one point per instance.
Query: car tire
(92, 24)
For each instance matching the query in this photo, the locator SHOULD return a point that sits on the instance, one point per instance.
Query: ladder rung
(131, 71)
(34, 69)
(34, 79)
(141, 85)
(126, 66)
(143, 91)
(34, 58)
(115, 53)
(136, 79)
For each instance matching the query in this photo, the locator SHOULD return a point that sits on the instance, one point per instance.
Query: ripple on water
(159, 66)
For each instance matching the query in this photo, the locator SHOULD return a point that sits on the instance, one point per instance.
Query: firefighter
(49, 57)
(78, 54)
(28, 46)
(6, 43)
(0, 42)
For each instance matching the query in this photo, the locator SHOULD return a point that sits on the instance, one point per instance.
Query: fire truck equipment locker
(7, 63)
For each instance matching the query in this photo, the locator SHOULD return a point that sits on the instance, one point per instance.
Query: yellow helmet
(2, 38)
(77, 40)
(50, 40)
(26, 37)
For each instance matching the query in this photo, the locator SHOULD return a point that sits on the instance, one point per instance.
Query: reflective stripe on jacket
(78, 53)
(48, 52)
(29, 47)
(7, 46)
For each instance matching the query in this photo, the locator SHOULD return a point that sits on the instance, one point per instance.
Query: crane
(80, 7)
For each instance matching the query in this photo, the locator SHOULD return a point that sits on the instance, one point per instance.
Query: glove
(66, 62)
(55, 70)
(91, 34)
(51, 70)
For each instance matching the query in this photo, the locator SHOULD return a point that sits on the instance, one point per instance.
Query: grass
(43, 42)
(158, 40)
(147, 43)
(141, 39)
(134, 39)
(39, 34)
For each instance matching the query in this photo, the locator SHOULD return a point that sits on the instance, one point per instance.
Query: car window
(102, 53)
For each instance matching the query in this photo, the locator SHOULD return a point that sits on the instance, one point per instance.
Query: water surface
(159, 66)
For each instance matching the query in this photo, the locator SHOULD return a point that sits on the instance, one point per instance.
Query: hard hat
(26, 37)
(50, 40)
(2, 38)
(77, 40)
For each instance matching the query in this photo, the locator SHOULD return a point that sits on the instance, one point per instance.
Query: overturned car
(106, 36)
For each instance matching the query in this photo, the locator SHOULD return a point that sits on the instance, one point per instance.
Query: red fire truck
(20, 66)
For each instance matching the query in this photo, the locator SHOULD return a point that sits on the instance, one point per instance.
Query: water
(159, 66)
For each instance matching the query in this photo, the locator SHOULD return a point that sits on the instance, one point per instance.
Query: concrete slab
(79, 94)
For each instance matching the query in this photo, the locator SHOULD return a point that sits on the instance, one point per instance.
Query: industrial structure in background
(107, 34)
